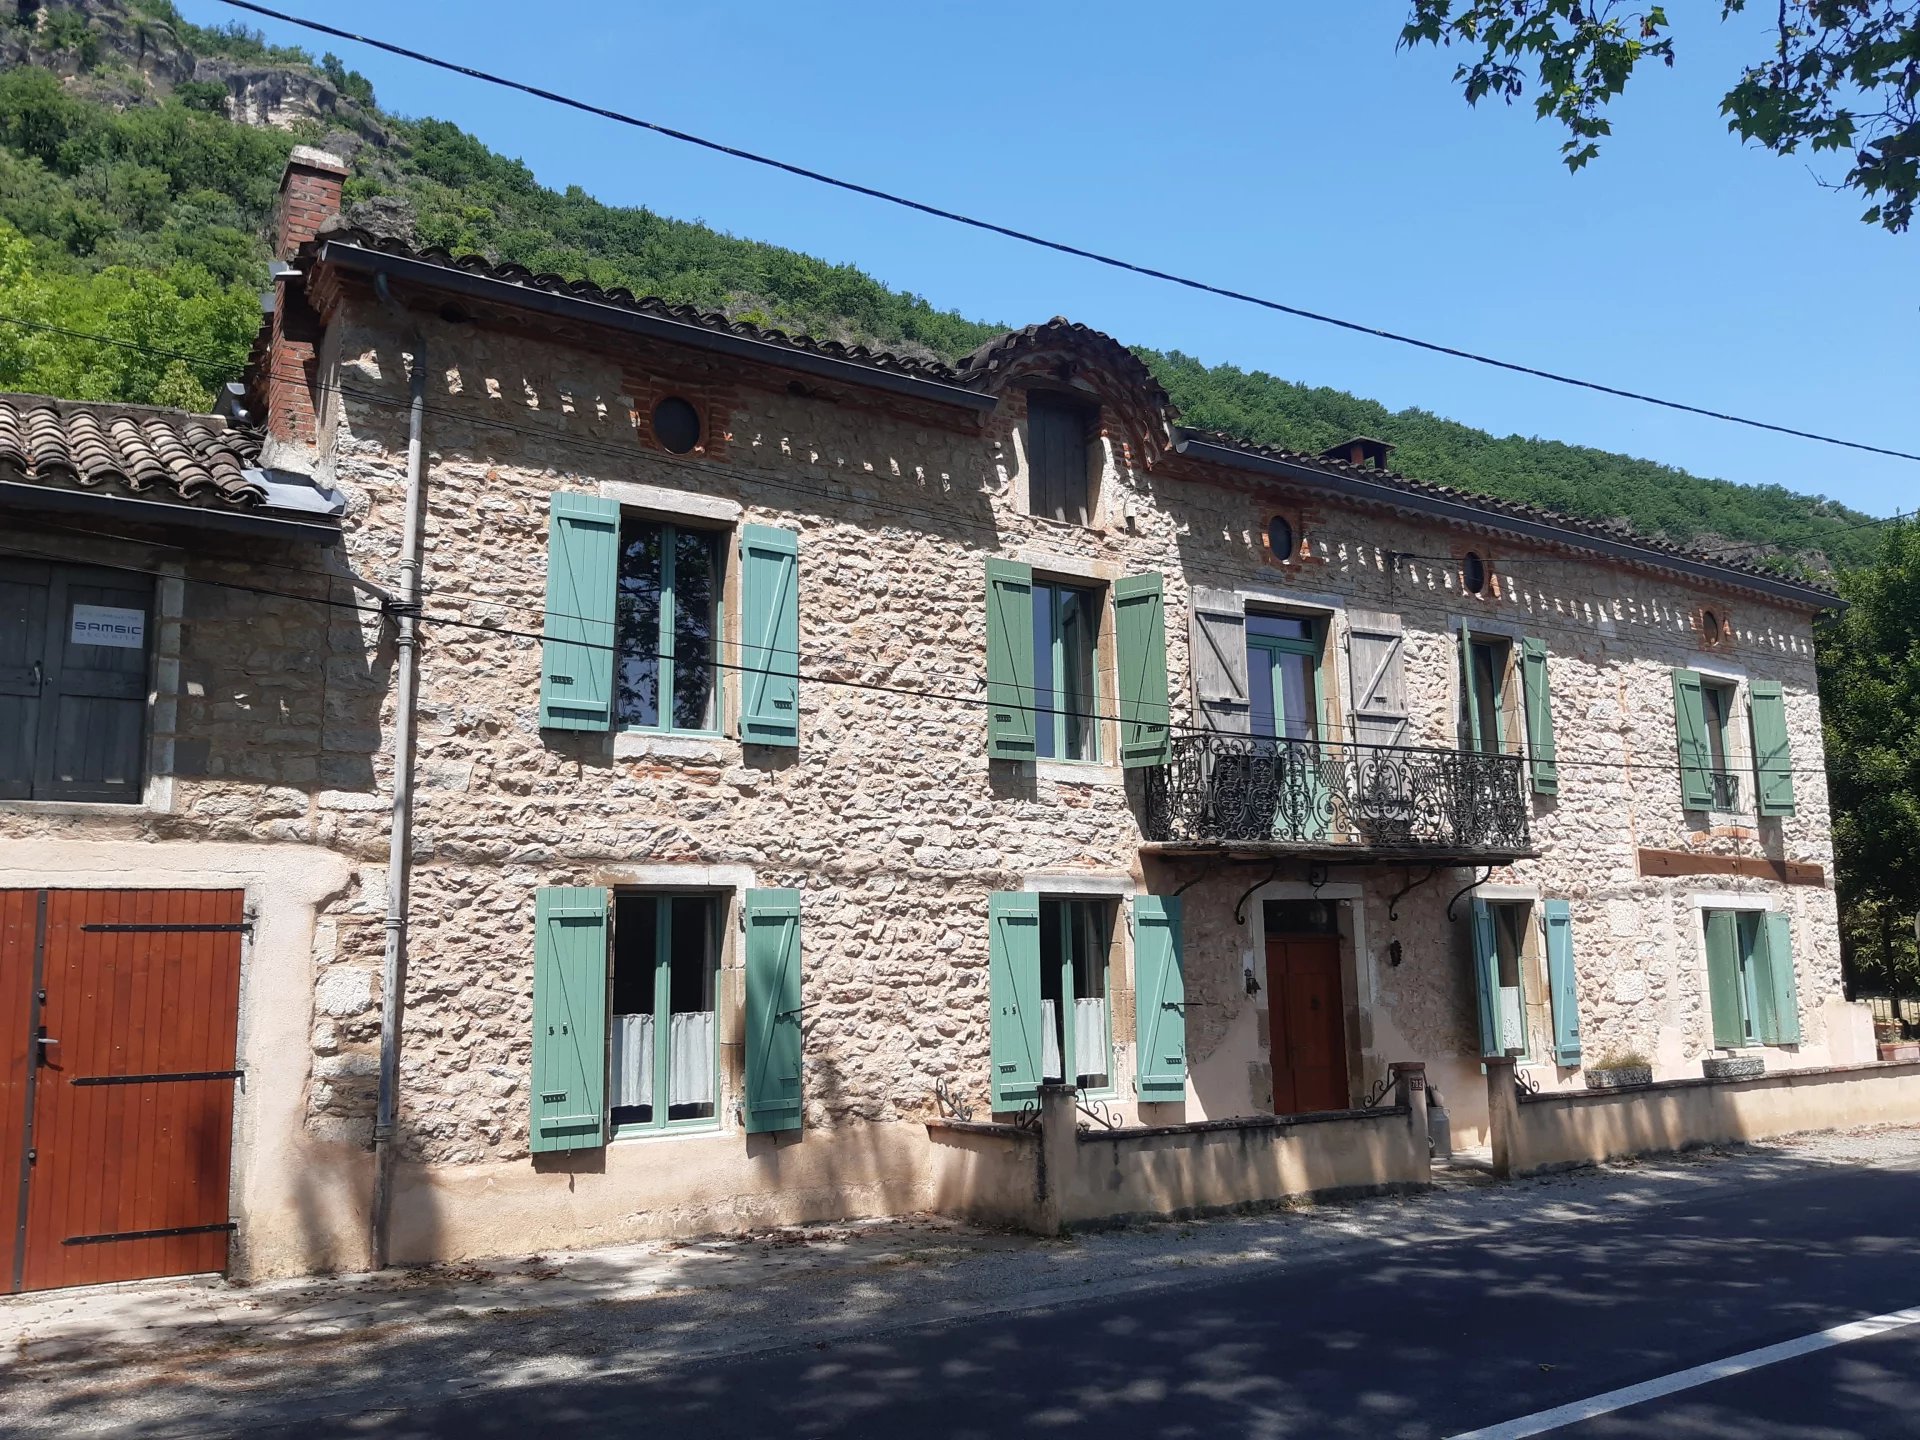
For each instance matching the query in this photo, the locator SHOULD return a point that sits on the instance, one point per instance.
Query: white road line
(1542, 1421)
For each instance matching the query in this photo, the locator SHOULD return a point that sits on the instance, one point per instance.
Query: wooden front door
(120, 1011)
(1307, 1024)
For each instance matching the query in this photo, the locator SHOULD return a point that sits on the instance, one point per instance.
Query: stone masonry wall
(890, 818)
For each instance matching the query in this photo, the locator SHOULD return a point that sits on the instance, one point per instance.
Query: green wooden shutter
(1772, 754)
(1690, 734)
(569, 1018)
(1780, 1019)
(1723, 978)
(1469, 696)
(769, 636)
(576, 657)
(1013, 989)
(1486, 979)
(1159, 999)
(1140, 644)
(1562, 983)
(773, 1010)
(1540, 756)
(1010, 686)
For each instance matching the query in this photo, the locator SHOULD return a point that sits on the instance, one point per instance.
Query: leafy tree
(1844, 75)
(1869, 659)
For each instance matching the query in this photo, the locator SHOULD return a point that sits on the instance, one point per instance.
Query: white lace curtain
(1089, 1038)
(689, 1059)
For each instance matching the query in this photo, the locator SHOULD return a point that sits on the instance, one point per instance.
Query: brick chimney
(309, 197)
(310, 192)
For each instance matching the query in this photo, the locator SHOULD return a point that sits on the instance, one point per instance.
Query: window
(1751, 987)
(1510, 946)
(1283, 662)
(661, 1038)
(666, 627)
(1281, 540)
(1487, 705)
(1066, 625)
(1717, 702)
(1473, 573)
(1059, 467)
(676, 425)
(73, 682)
(1076, 1041)
(1520, 1012)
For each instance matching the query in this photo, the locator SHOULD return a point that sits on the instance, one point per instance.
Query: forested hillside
(135, 200)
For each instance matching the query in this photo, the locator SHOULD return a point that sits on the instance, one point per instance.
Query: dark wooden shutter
(1376, 667)
(23, 652)
(1058, 477)
(93, 707)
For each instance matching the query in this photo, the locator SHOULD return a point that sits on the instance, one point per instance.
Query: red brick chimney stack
(310, 193)
(309, 197)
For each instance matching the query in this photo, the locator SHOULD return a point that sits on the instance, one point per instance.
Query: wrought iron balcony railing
(1725, 787)
(1388, 799)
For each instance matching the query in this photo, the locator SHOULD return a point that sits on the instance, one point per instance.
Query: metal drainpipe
(405, 610)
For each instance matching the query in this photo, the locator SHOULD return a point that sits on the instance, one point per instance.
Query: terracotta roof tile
(197, 459)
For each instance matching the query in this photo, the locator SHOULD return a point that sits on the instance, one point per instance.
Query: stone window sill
(1078, 772)
(645, 744)
(686, 1131)
(78, 807)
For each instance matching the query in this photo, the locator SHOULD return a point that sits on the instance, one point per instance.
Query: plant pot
(1620, 1077)
(1733, 1067)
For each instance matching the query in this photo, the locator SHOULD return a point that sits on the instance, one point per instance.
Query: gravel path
(207, 1358)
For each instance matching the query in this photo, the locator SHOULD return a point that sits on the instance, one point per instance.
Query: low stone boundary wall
(1558, 1131)
(1059, 1177)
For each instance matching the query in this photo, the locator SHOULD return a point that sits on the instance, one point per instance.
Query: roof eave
(1791, 592)
(25, 495)
(456, 281)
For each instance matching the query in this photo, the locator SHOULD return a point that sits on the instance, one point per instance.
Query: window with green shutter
(1542, 769)
(1140, 638)
(1076, 1041)
(1562, 983)
(1751, 984)
(1066, 638)
(1697, 787)
(576, 653)
(773, 1033)
(1485, 704)
(769, 636)
(1159, 1000)
(1014, 1040)
(1010, 675)
(668, 627)
(1772, 752)
(662, 1037)
(569, 1018)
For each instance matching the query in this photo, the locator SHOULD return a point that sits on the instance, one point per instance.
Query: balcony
(1237, 794)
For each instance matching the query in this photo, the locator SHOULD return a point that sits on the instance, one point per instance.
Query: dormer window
(1060, 433)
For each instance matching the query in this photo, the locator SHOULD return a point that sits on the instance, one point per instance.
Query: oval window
(676, 424)
(1280, 538)
(1473, 573)
(1711, 624)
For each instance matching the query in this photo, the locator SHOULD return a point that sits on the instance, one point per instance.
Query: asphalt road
(1427, 1341)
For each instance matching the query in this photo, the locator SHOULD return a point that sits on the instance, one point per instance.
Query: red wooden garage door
(120, 1010)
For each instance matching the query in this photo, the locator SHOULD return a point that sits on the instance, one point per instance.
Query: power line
(1058, 246)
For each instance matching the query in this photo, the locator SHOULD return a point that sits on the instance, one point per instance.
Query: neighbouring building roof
(977, 378)
(68, 454)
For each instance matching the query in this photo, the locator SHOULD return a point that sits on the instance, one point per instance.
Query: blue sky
(1287, 150)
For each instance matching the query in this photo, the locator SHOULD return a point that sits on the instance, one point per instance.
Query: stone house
(799, 743)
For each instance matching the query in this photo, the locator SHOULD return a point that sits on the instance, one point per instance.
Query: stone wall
(890, 818)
